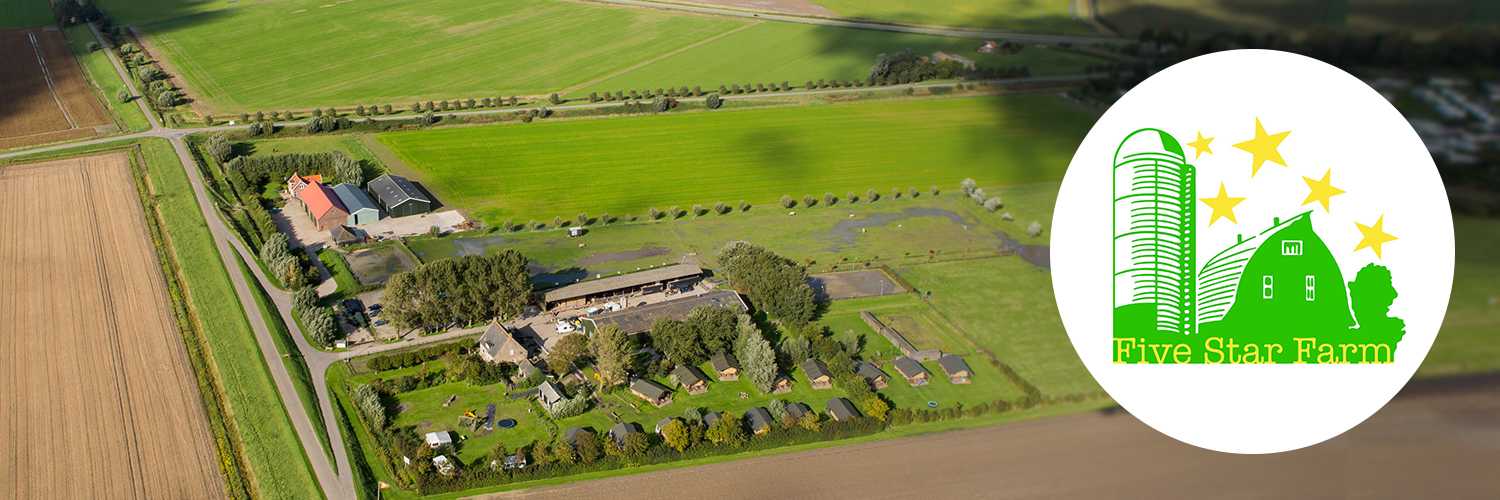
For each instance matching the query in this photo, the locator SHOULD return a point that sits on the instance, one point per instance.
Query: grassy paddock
(1470, 339)
(753, 155)
(350, 53)
(25, 14)
(101, 71)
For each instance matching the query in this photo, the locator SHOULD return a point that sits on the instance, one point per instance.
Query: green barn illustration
(1284, 279)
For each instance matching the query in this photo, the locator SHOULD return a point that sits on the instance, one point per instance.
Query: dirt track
(32, 111)
(98, 400)
(1434, 441)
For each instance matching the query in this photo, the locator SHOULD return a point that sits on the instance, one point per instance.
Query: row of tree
(467, 290)
(773, 283)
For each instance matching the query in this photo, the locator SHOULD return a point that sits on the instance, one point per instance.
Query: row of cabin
(758, 419)
(953, 366)
(347, 204)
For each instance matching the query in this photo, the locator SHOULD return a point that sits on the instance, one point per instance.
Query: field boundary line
(47, 75)
(643, 64)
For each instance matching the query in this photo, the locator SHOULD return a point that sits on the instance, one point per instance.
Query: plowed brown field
(43, 95)
(96, 396)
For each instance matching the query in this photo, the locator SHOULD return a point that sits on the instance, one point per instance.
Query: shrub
(713, 101)
(992, 204)
(787, 201)
(808, 200)
(828, 199)
(872, 195)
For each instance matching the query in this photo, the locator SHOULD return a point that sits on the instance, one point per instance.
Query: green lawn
(1025, 15)
(341, 274)
(1470, 339)
(279, 466)
(755, 155)
(795, 53)
(345, 53)
(97, 65)
(25, 14)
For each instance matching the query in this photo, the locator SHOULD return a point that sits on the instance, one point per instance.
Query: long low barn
(651, 280)
(640, 318)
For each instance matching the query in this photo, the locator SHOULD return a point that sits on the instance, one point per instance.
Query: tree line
(773, 283)
(467, 290)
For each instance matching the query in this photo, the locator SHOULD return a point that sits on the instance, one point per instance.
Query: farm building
(295, 183)
(572, 434)
(324, 207)
(944, 56)
(841, 409)
(361, 209)
(648, 281)
(620, 430)
(798, 410)
(911, 370)
(957, 370)
(659, 395)
(726, 366)
(499, 345)
(549, 394)
(398, 196)
(345, 235)
(782, 385)
(711, 417)
(691, 378)
(437, 439)
(871, 374)
(636, 320)
(817, 374)
(664, 423)
(758, 419)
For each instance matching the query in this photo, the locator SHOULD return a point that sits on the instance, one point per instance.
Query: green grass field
(97, 65)
(755, 155)
(776, 52)
(280, 468)
(348, 53)
(1024, 15)
(25, 14)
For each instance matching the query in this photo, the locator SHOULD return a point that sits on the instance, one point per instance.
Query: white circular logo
(1252, 251)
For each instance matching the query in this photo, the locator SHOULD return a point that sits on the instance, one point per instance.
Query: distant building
(361, 209)
(691, 378)
(323, 206)
(988, 47)
(956, 369)
(658, 395)
(841, 409)
(499, 345)
(648, 281)
(911, 370)
(638, 319)
(817, 374)
(726, 366)
(944, 56)
(758, 419)
(399, 196)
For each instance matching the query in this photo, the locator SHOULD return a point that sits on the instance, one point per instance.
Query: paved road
(866, 25)
(1433, 441)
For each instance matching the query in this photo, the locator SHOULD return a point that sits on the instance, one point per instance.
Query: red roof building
(324, 206)
(295, 184)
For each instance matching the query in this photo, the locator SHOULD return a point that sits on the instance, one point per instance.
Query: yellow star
(1263, 147)
(1321, 190)
(1223, 206)
(1374, 236)
(1201, 145)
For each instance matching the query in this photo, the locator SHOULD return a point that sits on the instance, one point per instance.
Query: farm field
(347, 53)
(104, 76)
(752, 155)
(774, 52)
(25, 14)
(1020, 15)
(43, 95)
(1425, 19)
(101, 400)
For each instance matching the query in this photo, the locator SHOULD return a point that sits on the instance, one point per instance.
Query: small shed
(524, 369)
(663, 423)
(956, 369)
(439, 438)
(726, 366)
(575, 231)
(620, 430)
(871, 374)
(911, 370)
(345, 235)
(798, 410)
(549, 394)
(817, 374)
(841, 409)
(691, 378)
(758, 419)
(658, 395)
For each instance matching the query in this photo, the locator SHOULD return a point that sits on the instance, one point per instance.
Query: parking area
(392, 227)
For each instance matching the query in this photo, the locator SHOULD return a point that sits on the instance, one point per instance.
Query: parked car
(375, 313)
(374, 307)
(380, 322)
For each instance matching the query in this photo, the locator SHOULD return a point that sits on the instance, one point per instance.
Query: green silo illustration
(1155, 240)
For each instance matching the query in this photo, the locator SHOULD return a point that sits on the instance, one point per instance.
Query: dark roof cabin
(817, 374)
(726, 366)
(691, 379)
(911, 370)
(798, 410)
(841, 409)
(758, 419)
(957, 370)
(664, 423)
(398, 196)
(782, 385)
(572, 434)
(711, 417)
(620, 430)
(871, 374)
(658, 395)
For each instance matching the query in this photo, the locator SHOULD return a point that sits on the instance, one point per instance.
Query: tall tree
(612, 353)
(755, 354)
